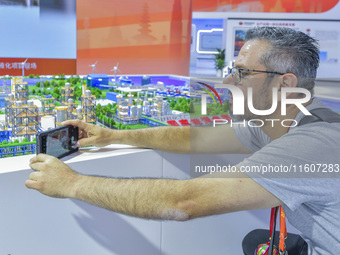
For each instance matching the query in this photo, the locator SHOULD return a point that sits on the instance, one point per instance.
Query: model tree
(220, 61)
(46, 84)
(226, 106)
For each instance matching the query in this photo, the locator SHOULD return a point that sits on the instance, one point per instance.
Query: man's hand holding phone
(52, 177)
(90, 134)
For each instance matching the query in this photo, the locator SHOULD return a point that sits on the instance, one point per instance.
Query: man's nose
(230, 79)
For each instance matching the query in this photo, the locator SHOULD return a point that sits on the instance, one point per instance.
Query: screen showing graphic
(326, 32)
(240, 35)
(59, 143)
(210, 42)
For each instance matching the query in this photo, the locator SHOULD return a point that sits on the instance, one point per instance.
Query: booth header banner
(278, 6)
(37, 66)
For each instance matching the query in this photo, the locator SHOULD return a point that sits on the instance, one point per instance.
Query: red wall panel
(143, 36)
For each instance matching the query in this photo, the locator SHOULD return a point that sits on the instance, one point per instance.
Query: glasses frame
(237, 72)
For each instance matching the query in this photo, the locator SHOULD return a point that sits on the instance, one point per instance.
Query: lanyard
(283, 230)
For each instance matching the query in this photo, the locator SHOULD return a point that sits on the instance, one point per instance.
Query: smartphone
(58, 142)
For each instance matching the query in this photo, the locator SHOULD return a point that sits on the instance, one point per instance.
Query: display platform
(33, 224)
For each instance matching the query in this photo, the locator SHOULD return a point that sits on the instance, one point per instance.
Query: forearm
(171, 139)
(193, 140)
(143, 198)
(165, 199)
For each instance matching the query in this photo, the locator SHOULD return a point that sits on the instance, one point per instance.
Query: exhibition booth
(172, 41)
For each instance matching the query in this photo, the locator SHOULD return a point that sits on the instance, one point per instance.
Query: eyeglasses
(239, 72)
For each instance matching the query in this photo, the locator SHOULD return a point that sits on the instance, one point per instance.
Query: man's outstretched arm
(221, 139)
(151, 198)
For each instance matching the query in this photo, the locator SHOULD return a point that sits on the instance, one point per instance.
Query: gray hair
(291, 52)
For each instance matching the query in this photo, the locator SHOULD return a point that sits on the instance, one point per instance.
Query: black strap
(320, 114)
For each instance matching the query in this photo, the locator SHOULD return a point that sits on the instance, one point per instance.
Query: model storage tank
(66, 93)
(48, 105)
(79, 113)
(67, 89)
(146, 107)
(71, 108)
(47, 122)
(83, 89)
(166, 108)
(123, 110)
(124, 115)
(133, 111)
(130, 97)
(61, 114)
(139, 111)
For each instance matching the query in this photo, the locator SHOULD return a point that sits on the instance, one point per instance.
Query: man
(272, 59)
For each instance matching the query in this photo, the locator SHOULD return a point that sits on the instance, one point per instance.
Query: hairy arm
(151, 198)
(220, 139)
(170, 139)
(174, 199)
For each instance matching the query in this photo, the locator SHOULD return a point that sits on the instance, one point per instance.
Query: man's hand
(90, 134)
(52, 177)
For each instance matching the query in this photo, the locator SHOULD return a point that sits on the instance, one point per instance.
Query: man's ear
(288, 80)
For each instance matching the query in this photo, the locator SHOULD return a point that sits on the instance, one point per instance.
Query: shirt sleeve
(251, 137)
(301, 166)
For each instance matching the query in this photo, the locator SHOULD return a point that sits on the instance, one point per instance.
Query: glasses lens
(237, 74)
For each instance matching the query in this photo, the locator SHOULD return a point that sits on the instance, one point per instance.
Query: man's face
(248, 58)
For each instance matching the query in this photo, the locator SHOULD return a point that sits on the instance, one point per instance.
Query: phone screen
(59, 142)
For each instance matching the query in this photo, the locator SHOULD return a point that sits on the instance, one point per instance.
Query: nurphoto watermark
(238, 106)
